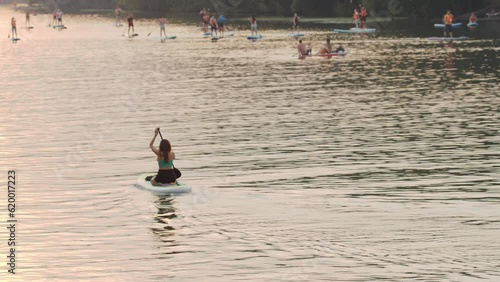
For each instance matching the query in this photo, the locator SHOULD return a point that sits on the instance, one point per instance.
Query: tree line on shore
(309, 8)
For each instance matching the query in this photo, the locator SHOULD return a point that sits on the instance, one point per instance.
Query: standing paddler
(28, 23)
(14, 28)
(295, 21)
(130, 20)
(118, 15)
(213, 25)
(162, 21)
(221, 22)
(448, 24)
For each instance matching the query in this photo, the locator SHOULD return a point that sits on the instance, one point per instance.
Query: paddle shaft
(152, 31)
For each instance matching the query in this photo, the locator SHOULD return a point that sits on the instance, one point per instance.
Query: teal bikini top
(164, 164)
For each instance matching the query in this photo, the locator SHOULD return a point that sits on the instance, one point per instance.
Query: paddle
(149, 35)
(176, 171)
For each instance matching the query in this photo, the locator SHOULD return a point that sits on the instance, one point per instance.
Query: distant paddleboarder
(253, 25)
(206, 20)
(355, 18)
(162, 21)
(28, 23)
(448, 24)
(14, 28)
(54, 17)
(295, 21)
(213, 25)
(59, 17)
(221, 22)
(130, 20)
(363, 14)
(118, 15)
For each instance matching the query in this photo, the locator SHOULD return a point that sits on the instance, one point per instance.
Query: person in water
(303, 51)
(162, 21)
(28, 23)
(118, 15)
(221, 22)
(295, 21)
(448, 24)
(213, 25)
(472, 18)
(130, 20)
(14, 27)
(165, 157)
(253, 25)
(355, 17)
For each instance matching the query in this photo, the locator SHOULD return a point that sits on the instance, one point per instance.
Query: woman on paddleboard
(253, 25)
(14, 27)
(130, 20)
(165, 157)
(54, 17)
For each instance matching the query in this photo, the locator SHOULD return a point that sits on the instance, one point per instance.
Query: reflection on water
(379, 165)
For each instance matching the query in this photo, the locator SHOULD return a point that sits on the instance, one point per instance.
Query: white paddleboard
(180, 187)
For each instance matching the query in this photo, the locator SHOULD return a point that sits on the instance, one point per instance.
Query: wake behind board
(144, 184)
(449, 38)
(254, 37)
(355, 30)
(455, 25)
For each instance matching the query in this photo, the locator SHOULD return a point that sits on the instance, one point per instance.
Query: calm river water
(380, 165)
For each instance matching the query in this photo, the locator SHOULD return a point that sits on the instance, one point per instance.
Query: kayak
(455, 25)
(296, 35)
(449, 38)
(356, 30)
(254, 37)
(144, 184)
(472, 24)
